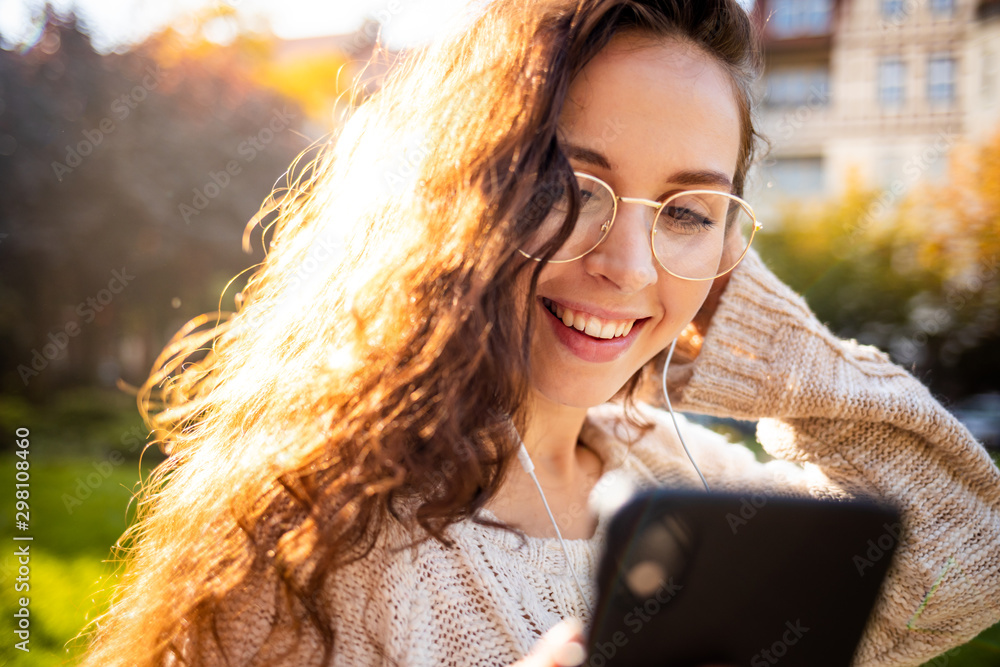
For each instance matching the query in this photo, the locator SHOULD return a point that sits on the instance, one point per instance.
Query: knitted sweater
(842, 421)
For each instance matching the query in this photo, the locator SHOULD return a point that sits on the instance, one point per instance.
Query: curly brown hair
(376, 353)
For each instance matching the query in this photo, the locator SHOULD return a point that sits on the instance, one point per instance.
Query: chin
(582, 394)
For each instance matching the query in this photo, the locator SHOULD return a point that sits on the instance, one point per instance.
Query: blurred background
(137, 139)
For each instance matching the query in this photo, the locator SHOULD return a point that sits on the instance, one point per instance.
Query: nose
(625, 256)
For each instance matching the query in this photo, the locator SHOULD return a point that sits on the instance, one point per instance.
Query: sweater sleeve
(871, 428)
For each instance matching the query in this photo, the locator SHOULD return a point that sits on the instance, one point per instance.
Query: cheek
(519, 292)
(682, 299)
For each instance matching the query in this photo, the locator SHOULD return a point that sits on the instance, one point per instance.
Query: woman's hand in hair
(690, 340)
(561, 646)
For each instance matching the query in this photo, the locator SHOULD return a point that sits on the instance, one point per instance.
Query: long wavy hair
(377, 352)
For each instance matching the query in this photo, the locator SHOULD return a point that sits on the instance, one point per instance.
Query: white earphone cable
(529, 467)
(666, 397)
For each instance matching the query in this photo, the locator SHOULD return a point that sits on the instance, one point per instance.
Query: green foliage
(78, 422)
(982, 651)
(920, 281)
(15, 411)
(149, 163)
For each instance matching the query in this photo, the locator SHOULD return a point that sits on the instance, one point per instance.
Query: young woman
(502, 246)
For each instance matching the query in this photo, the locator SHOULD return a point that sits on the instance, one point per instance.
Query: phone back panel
(695, 578)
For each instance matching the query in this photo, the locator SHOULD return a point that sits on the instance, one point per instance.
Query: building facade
(877, 90)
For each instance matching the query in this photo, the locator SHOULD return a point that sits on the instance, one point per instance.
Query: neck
(551, 438)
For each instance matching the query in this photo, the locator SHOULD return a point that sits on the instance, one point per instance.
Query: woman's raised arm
(871, 428)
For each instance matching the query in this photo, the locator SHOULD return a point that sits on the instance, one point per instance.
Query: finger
(570, 654)
(561, 646)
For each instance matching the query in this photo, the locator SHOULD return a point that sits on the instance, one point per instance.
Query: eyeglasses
(687, 236)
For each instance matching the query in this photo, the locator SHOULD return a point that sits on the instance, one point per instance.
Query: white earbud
(522, 456)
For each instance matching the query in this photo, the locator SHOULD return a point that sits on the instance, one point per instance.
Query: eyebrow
(685, 178)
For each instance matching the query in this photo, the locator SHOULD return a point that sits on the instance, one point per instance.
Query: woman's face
(649, 118)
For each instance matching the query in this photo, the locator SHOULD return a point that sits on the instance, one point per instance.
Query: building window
(790, 87)
(800, 17)
(893, 9)
(942, 7)
(891, 82)
(797, 176)
(988, 85)
(941, 79)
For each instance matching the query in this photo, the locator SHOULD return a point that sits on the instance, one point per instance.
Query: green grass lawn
(76, 516)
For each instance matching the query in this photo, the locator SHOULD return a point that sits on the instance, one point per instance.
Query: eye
(587, 196)
(684, 219)
(695, 213)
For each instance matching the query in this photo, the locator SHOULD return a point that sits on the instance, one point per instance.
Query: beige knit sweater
(842, 419)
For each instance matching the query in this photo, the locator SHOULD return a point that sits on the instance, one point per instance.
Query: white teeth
(589, 324)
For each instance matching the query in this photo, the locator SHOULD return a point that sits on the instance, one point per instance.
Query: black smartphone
(690, 578)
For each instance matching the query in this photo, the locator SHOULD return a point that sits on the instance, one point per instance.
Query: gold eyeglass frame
(659, 206)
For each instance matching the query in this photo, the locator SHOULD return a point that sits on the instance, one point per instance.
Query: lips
(588, 347)
(589, 324)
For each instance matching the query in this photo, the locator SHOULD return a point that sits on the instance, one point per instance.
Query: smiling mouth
(591, 325)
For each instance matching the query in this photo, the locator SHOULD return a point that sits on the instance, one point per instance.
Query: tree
(921, 280)
(147, 163)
